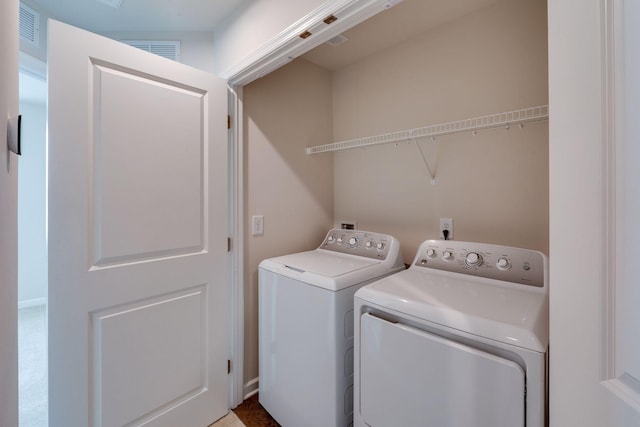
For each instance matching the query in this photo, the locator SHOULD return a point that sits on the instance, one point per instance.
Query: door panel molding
(151, 328)
(121, 144)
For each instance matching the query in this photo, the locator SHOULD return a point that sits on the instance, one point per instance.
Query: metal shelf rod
(506, 119)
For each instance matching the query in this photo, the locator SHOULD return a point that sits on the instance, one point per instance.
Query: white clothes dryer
(459, 339)
(306, 325)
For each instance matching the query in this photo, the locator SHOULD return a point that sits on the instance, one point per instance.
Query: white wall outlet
(446, 224)
(257, 225)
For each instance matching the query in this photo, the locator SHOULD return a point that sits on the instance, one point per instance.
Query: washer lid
(329, 270)
(326, 263)
(484, 307)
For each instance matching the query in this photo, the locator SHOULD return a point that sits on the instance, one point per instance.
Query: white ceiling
(133, 15)
(406, 20)
(402, 22)
(142, 15)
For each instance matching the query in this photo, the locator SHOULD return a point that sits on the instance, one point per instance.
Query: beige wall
(285, 112)
(494, 184)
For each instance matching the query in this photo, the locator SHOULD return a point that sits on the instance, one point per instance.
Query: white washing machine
(460, 339)
(306, 325)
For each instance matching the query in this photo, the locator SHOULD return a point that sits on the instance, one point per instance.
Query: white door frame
(236, 227)
(619, 364)
(280, 50)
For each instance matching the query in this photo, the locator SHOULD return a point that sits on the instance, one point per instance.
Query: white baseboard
(32, 302)
(251, 388)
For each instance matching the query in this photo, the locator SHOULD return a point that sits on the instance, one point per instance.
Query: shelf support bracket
(424, 159)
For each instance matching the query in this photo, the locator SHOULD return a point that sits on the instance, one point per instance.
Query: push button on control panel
(503, 264)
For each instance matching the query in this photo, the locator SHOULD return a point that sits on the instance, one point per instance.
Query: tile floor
(230, 420)
(252, 414)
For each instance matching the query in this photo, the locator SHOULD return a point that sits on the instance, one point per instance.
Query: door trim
(236, 227)
(615, 375)
(288, 45)
(275, 53)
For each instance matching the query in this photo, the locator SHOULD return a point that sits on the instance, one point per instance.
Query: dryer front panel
(422, 379)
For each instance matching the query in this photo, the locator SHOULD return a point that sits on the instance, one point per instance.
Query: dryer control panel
(517, 265)
(362, 243)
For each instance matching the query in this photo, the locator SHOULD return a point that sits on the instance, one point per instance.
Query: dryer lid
(487, 308)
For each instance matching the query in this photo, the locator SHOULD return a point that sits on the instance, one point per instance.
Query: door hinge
(228, 366)
(228, 244)
(228, 121)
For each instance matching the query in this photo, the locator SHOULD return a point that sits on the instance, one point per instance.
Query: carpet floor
(32, 366)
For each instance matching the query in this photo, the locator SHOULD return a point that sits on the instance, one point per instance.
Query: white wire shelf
(509, 118)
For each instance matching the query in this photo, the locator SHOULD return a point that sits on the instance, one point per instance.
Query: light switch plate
(257, 225)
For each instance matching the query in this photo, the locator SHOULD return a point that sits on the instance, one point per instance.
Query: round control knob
(368, 245)
(331, 239)
(431, 253)
(503, 264)
(353, 242)
(339, 240)
(380, 246)
(447, 255)
(473, 259)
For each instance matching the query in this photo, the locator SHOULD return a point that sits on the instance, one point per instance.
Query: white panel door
(138, 289)
(594, 102)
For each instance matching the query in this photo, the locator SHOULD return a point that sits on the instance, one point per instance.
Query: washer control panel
(523, 266)
(357, 242)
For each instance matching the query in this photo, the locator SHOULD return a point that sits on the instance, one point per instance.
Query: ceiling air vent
(337, 40)
(29, 25)
(168, 49)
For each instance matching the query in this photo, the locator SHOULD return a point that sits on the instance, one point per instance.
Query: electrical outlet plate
(446, 224)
